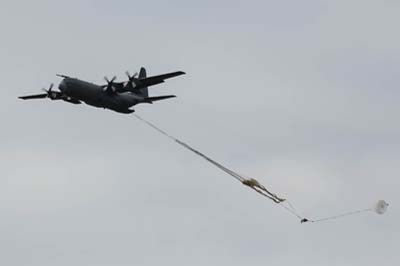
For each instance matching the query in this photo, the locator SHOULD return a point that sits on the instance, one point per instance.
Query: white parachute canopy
(381, 207)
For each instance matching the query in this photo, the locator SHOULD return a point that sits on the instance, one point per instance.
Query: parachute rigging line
(380, 207)
(251, 182)
(337, 216)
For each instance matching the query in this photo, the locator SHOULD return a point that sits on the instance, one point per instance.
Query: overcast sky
(302, 95)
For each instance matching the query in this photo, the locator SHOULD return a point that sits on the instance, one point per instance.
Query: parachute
(380, 207)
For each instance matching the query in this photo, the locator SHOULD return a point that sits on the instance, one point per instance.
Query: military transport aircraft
(116, 96)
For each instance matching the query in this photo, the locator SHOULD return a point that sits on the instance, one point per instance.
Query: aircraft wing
(158, 98)
(36, 96)
(154, 80)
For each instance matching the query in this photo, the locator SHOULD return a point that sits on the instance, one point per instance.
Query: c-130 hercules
(116, 96)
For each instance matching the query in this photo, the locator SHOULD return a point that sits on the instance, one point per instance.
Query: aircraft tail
(142, 74)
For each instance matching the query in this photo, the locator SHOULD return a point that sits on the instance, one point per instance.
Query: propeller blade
(110, 88)
(110, 81)
(131, 77)
(51, 87)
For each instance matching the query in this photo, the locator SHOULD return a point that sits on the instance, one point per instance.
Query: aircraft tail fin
(142, 74)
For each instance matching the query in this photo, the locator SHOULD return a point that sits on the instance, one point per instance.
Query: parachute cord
(340, 215)
(156, 128)
(292, 211)
(183, 144)
(258, 188)
(290, 205)
(242, 179)
(223, 168)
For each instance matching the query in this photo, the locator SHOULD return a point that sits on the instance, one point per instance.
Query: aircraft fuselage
(96, 95)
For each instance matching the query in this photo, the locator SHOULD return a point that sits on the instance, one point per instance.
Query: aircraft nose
(63, 86)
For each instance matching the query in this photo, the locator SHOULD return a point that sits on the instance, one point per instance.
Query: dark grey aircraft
(117, 96)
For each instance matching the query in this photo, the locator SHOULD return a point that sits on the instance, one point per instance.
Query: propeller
(110, 84)
(132, 79)
(50, 93)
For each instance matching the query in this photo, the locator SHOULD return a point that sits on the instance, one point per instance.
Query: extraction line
(252, 183)
(230, 172)
(380, 208)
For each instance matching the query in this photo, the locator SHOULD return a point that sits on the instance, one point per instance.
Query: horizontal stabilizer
(150, 81)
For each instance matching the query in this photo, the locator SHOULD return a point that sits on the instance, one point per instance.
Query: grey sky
(302, 95)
